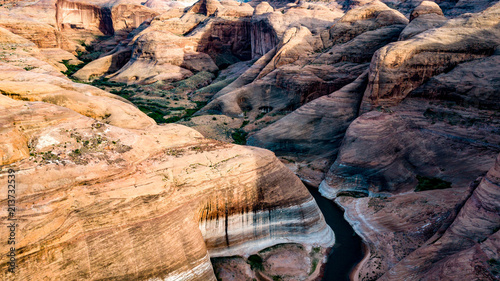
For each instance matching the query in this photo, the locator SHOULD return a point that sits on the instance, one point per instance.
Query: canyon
(172, 140)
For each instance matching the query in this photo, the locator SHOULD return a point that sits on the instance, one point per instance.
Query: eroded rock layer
(94, 192)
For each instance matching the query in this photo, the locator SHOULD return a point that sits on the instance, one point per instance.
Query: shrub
(255, 262)
(239, 137)
(425, 183)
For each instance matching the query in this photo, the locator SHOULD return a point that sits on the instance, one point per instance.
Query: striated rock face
(391, 108)
(42, 34)
(462, 85)
(102, 16)
(470, 246)
(104, 65)
(322, 124)
(83, 15)
(144, 196)
(399, 68)
(84, 99)
(394, 227)
(365, 18)
(383, 152)
(20, 53)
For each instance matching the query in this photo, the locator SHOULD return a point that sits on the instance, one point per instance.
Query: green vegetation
(352, 193)
(314, 265)
(71, 68)
(239, 136)
(255, 262)
(262, 114)
(425, 183)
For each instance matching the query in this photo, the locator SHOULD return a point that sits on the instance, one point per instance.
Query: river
(347, 251)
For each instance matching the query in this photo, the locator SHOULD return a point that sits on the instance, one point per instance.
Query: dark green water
(347, 251)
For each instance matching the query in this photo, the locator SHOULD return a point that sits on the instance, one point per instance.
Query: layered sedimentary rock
(399, 68)
(469, 248)
(436, 126)
(42, 34)
(21, 53)
(322, 124)
(384, 151)
(141, 198)
(84, 99)
(302, 69)
(102, 16)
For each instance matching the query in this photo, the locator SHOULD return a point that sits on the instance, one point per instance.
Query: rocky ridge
(391, 108)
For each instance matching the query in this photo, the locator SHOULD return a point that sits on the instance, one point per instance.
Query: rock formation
(162, 180)
(389, 107)
(401, 67)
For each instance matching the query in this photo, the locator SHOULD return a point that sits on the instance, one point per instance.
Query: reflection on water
(347, 251)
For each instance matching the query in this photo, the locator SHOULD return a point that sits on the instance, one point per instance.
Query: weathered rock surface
(473, 83)
(101, 16)
(470, 246)
(318, 83)
(322, 124)
(21, 53)
(426, 7)
(384, 151)
(44, 35)
(393, 227)
(169, 174)
(401, 67)
(84, 99)
(104, 65)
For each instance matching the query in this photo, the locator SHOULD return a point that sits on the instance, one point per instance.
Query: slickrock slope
(401, 67)
(97, 201)
(469, 249)
(22, 53)
(322, 124)
(84, 99)
(390, 107)
(430, 121)
(302, 69)
(426, 16)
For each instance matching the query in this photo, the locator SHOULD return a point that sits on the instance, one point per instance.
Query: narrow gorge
(224, 140)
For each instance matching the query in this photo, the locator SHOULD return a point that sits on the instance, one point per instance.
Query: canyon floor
(171, 140)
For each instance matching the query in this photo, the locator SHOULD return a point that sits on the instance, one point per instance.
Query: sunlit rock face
(391, 108)
(106, 17)
(470, 246)
(401, 67)
(117, 196)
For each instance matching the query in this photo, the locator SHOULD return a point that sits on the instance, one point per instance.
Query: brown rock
(42, 34)
(399, 68)
(426, 7)
(20, 53)
(82, 98)
(470, 246)
(104, 65)
(263, 8)
(316, 129)
(365, 18)
(116, 195)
